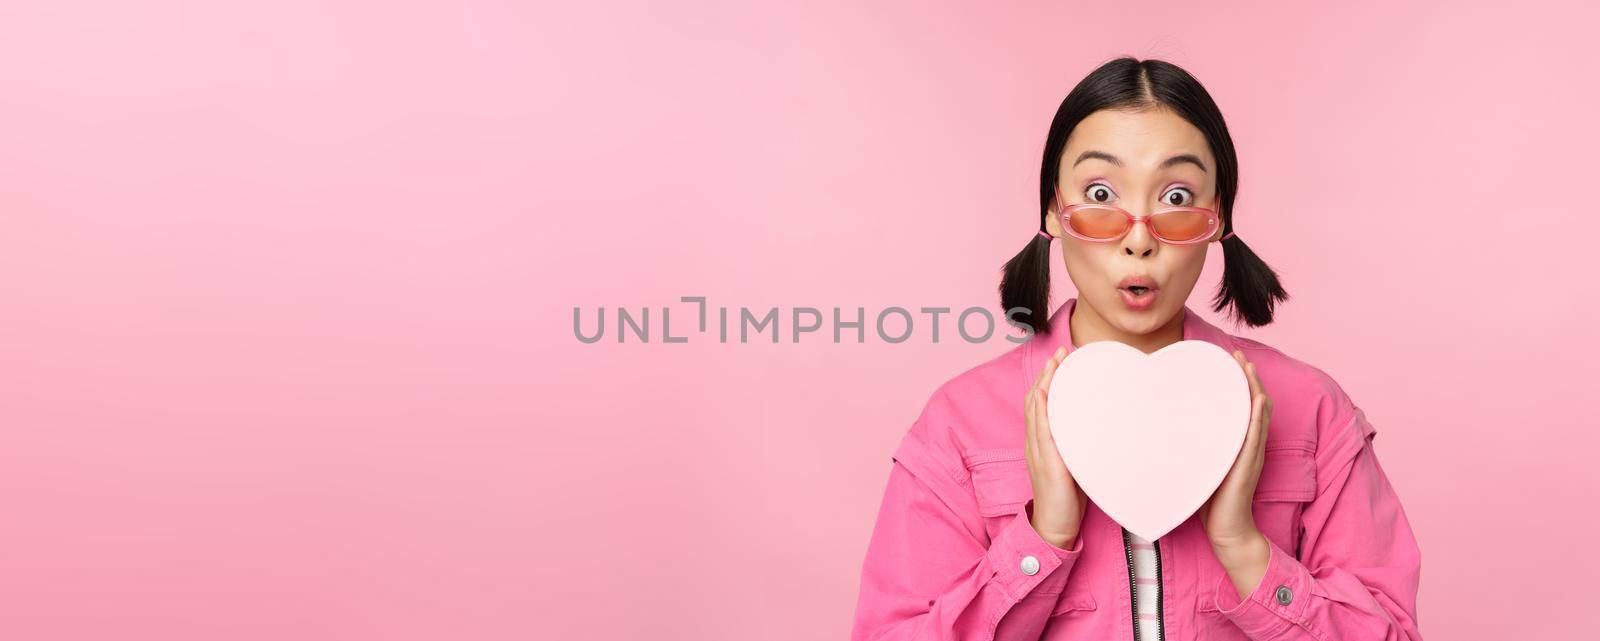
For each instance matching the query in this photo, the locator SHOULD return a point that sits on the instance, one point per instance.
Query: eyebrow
(1170, 162)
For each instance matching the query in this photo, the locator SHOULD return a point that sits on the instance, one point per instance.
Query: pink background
(288, 288)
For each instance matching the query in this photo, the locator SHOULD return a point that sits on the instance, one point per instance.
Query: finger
(1244, 367)
(1041, 426)
(1242, 458)
(1050, 364)
(1256, 407)
(1045, 440)
(1039, 394)
(1266, 418)
(1029, 417)
(1040, 377)
(1256, 446)
(1250, 374)
(1262, 403)
(1047, 437)
(1049, 373)
(1256, 393)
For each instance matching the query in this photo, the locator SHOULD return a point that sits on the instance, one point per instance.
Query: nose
(1139, 241)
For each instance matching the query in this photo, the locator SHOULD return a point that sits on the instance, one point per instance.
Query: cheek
(1187, 262)
(1184, 270)
(1086, 264)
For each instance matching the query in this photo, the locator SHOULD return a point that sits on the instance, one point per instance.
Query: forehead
(1141, 139)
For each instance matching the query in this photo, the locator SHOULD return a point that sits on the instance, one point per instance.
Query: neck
(1087, 326)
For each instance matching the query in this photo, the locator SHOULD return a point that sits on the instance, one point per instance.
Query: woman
(983, 534)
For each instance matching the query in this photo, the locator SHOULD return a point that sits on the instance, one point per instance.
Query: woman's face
(1140, 161)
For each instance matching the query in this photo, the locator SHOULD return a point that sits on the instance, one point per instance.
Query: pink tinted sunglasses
(1102, 223)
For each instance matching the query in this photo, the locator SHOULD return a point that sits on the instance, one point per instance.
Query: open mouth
(1138, 292)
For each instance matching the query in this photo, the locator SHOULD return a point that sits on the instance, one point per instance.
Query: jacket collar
(1043, 345)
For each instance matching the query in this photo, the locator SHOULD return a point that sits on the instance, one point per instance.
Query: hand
(1058, 502)
(1227, 516)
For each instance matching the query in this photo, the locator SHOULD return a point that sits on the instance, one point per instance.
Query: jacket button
(1284, 595)
(1030, 565)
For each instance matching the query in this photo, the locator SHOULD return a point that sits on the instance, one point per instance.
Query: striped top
(1148, 595)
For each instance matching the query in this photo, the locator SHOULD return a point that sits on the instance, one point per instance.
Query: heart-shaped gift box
(1149, 437)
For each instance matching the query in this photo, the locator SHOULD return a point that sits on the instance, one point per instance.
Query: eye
(1178, 197)
(1099, 193)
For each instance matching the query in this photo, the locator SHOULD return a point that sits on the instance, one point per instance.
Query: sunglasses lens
(1181, 226)
(1096, 222)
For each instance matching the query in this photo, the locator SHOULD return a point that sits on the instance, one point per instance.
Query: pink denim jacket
(949, 554)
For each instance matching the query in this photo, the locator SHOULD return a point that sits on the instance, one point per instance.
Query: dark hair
(1248, 284)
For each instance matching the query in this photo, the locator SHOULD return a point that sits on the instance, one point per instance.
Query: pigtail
(1025, 286)
(1249, 285)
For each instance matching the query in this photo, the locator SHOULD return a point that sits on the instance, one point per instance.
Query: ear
(1052, 223)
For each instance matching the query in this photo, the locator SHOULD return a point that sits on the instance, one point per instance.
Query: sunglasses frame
(1064, 214)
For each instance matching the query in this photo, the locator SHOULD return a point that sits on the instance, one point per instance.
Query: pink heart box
(1149, 437)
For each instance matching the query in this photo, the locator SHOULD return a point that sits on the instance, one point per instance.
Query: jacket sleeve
(1359, 566)
(931, 572)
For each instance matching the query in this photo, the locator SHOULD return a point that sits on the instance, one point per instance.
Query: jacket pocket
(999, 480)
(1290, 471)
(1288, 481)
(1074, 602)
(1001, 485)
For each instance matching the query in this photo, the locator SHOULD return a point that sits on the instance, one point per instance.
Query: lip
(1141, 281)
(1138, 302)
